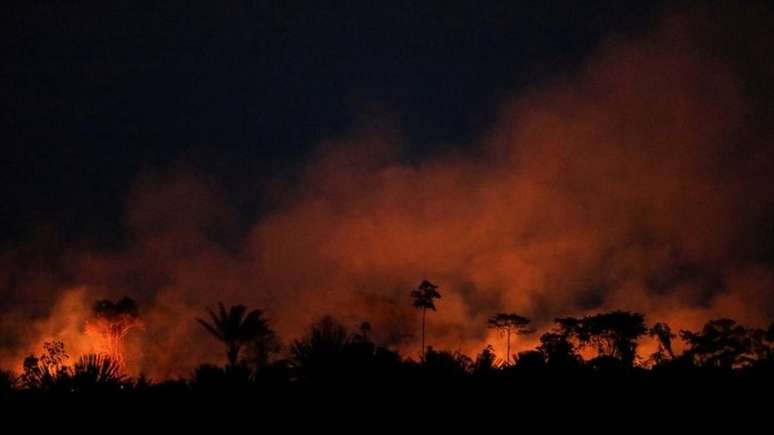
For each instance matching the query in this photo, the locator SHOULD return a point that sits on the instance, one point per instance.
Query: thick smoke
(639, 182)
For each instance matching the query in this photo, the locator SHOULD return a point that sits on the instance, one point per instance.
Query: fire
(639, 183)
(112, 322)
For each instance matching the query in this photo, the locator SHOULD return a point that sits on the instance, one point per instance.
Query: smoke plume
(641, 181)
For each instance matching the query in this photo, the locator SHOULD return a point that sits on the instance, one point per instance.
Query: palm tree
(508, 323)
(423, 300)
(320, 353)
(95, 372)
(235, 329)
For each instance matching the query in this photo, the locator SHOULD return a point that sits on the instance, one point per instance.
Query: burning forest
(601, 204)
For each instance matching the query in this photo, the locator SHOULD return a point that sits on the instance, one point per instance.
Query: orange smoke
(639, 183)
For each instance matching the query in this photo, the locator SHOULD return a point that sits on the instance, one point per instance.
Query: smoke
(639, 182)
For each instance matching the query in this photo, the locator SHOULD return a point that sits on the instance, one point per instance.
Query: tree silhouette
(508, 323)
(112, 322)
(423, 297)
(7, 383)
(612, 334)
(262, 348)
(768, 349)
(95, 372)
(42, 372)
(445, 364)
(365, 329)
(727, 358)
(328, 352)
(559, 352)
(319, 354)
(235, 329)
(663, 333)
(92, 372)
(485, 362)
(531, 360)
(211, 378)
(721, 343)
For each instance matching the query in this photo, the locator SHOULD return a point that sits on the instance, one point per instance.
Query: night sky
(547, 159)
(95, 93)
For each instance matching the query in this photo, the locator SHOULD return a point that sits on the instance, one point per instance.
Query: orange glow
(112, 333)
(620, 187)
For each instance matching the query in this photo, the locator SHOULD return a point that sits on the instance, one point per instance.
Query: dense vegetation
(719, 364)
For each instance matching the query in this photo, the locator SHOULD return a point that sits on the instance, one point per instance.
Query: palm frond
(212, 329)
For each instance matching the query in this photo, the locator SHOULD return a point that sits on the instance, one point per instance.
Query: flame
(640, 182)
(112, 333)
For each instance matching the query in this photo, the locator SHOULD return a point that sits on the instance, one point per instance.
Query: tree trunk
(423, 333)
(233, 354)
(508, 348)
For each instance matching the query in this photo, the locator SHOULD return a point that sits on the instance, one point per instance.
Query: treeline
(330, 354)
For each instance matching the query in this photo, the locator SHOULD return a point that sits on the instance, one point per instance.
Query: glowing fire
(112, 322)
(619, 187)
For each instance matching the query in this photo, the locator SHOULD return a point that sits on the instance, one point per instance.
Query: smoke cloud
(640, 181)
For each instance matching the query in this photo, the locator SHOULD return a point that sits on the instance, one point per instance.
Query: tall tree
(113, 321)
(507, 324)
(663, 333)
(236, 327)
(423, 297)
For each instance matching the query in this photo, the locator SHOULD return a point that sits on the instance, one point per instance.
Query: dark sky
(92, 95)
